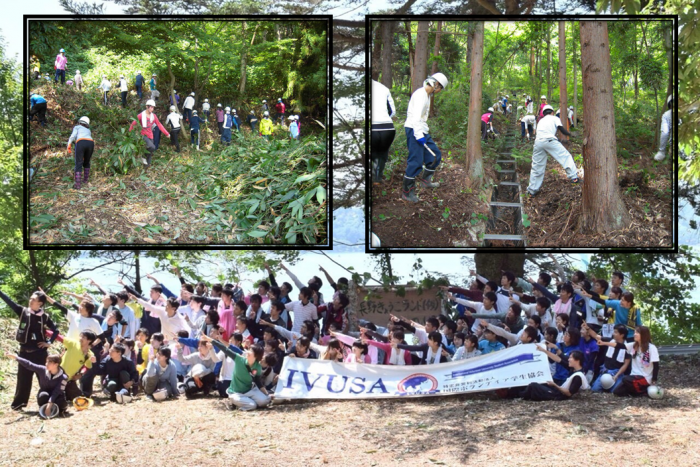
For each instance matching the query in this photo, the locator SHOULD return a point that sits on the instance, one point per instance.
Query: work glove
(421, 141)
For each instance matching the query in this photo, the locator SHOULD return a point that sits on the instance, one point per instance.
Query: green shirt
(74, 358)
(242, 379)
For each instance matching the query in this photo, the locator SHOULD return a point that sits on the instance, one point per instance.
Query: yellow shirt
(74, 358)
(266, 126)
(144, 354)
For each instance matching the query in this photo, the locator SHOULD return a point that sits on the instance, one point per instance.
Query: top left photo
(209, 133)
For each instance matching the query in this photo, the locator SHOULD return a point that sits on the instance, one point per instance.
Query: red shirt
(146, 130)
(280, 107)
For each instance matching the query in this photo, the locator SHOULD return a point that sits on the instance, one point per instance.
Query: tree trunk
(636, 54)
(172, 83)
(490, 265)
(573, 43)
(377, 50)
(668, 43)
(562, 79)
(436, 52)
(36, 273)
(420, 62)
(410, 54)
(470, 42)
(387, 60)
(549, 62)
(603, 209)
(244, 59)
(137, 267)
(475, 165)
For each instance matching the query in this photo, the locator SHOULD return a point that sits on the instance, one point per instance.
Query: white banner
(519, 365)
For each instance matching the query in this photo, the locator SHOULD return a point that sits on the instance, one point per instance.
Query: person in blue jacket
(626, 313)
(37, 107)
(139, 84)
(226, 129)
(194, 127)
(572, 338)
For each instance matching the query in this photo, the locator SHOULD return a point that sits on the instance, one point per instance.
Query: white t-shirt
(577, 374)
(189, 102)
(643, 362)
(528, 120)
(571, 114)
(174, 119)
(381, 103)
(122, 85)
(79, 323)
(301, 313)
(206, 107)
(547, 127)
(417, 115)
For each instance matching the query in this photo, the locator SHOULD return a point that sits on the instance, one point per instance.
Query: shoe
(78, 177)
(229, 404)
(409, 190)
(531, 194)
(143, 159)
(86, 174)
(150, 397)
(425, 179)
(18, 407)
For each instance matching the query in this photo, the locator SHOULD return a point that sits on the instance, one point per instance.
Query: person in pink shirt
(542, 104)
(227, 319)
(148, 120)
(486, 119)
(60, 66)
(392, 354)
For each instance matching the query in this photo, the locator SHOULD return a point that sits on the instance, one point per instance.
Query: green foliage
(124, 153)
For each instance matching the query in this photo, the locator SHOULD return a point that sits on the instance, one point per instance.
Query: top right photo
(522, 134)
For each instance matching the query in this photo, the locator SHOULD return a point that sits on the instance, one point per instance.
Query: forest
(625, 196)
(255, 190)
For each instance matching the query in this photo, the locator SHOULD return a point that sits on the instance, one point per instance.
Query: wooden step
(509, 183)
(505, 205)
(503, 161)
(517, 238)
(506, 171)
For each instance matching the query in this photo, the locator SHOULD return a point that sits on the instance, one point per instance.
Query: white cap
(442, 79)
(150, 102)
(84, 120)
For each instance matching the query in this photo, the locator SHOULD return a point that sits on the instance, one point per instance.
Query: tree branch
(348, 67)
(489, 6)
(348, 163)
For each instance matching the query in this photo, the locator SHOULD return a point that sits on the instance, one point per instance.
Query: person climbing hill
(195, 120)
(175, 121)
(187, 107)
(105, 85)
(78, 79)
(206, 109)
(123, 87)
(60, 66)
(266, 126)
(486, 123)
(423, 154)
(546, 142)
(154, 93)
(226, 127)
(236, 120)
(37, 107)
(666, 130)
(265, 107)
(543, 103)
(84, 147)
(383, 131)
(147, 119)
(139, 84)
(527, 124)
(220, 118)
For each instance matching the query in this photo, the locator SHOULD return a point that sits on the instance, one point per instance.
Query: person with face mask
(423, 154)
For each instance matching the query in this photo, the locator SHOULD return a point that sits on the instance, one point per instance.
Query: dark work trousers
(124, 98)
(43, 398)
(381, 142)
(40, 111)
(156, 137)
(174, 134)
(24, 376)
(419, 155)
(83, 153)
(72, 390)
(542, 392)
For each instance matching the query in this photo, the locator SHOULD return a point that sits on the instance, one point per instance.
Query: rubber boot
(148, 159)
(424, 179)
(78, 175)
(86, 174)
(409, 190)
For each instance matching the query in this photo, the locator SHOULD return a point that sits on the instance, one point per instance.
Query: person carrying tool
(60, 66)
(666, 129)
(84, 147)
(147, 119)
(546, 142)
(423, 154)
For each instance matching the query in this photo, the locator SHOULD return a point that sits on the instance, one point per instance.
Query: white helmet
(442, 79)
(121, 76)
(172, 108)
(103, 76)
(543, 97)
(150, 102)
(296, 118)
(206, 100)
(264, 101)
(84, 120)
(490, 109)
(227, 109)
(279, 100)
(138, 72)
(160, 395)
(291, 117)
(194, 112)
(153, 74)
(655, 392)
(192, 94)
(571, 107)
(233, 110)
(218, 105)
(547, 107)
(606, 380)
(174, 91)
(77, 72)
(252, 112)
(266, 114)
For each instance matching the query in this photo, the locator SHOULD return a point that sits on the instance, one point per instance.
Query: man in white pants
(666, 130)
(546, 142)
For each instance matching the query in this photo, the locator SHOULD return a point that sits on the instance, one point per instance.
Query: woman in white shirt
(383, 131)
(645, 365)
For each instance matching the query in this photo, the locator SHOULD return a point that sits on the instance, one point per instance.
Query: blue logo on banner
(418, 383)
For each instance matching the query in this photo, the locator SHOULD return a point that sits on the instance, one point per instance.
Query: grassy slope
(191, 197)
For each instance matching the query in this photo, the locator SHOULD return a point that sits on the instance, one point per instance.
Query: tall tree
(490, 265)
(434, 68)
(420, 62)
(387, 59)
(573, 47)
(562, 78)
(603, 209)
(474, 161)
(411, 55)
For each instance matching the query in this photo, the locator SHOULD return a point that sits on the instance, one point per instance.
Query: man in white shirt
(303, 309)
(383, 132)
(527, 125)
(423, 154)
(546, 142)
(174, 120)
(571, 116)
(188, 106)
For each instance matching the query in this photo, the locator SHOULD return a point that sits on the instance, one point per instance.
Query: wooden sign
(375, 304)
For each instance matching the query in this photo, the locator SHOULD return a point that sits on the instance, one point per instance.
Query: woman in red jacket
(148, 121)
